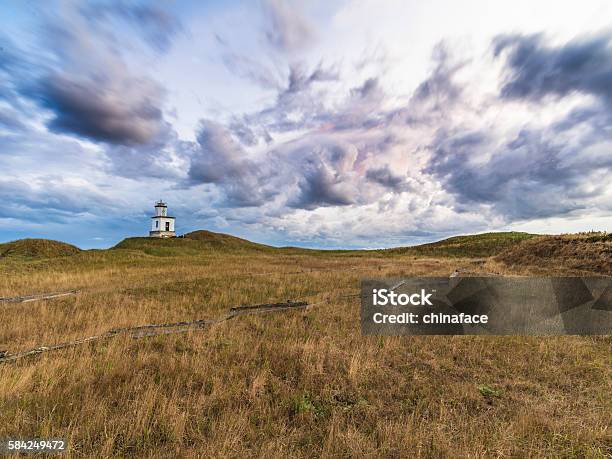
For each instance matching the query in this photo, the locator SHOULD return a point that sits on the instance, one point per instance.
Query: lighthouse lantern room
(162, 225)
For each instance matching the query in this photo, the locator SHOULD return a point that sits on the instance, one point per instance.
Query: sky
(329, 124)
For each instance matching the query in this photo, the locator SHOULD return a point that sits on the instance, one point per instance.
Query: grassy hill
(191, 244)
(590, 252)
(223, 240)
(476, 245)
(33, 249)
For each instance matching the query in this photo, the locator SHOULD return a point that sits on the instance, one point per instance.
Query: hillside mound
(190, 244)
(586, 252)
(476, 245)
(223, 240)
(37, 248)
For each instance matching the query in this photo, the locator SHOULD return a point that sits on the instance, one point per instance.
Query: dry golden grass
(585, 253)
(287, 384)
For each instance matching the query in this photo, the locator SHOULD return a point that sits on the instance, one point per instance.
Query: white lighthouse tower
(162, 225)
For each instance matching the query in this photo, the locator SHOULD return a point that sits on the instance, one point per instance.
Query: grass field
(295, 383)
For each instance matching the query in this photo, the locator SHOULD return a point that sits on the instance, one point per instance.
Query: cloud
(533, 175)
(299, 104)
(83, 80)
(218, 159)
(219, 155)
(157, 25)
(247, 134)
(325, 171)
(439, 86)
(162, 157)
(336, 147)
(10, 119)
(386, 178)
(340, 158)
(536, 69)
(321, 186)
(254, 70)
(369, 88)
(287, 29)
(299, 80)
(435, 156)
(15, 68)
(111, 109)
(436, 97)
(49, 199)
(307, 173)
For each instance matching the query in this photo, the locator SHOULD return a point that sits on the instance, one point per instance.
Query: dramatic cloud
(536, 70)
(523, 179)
(299, 105)
(529, 173)
(385, 177)
(114, 110)
(436, 97)
(322, 186)
(218, 159)
(87, 86)
(325, 126)
(541, 171)
(439, 87)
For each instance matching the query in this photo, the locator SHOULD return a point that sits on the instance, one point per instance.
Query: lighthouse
(162, 225)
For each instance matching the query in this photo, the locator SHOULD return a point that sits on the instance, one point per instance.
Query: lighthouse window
(156, 224)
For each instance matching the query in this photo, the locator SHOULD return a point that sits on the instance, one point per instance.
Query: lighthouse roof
(160, 203)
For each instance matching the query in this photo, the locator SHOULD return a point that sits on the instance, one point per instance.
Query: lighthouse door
(167, 226)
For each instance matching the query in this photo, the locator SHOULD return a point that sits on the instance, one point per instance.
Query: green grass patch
(487, 391)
